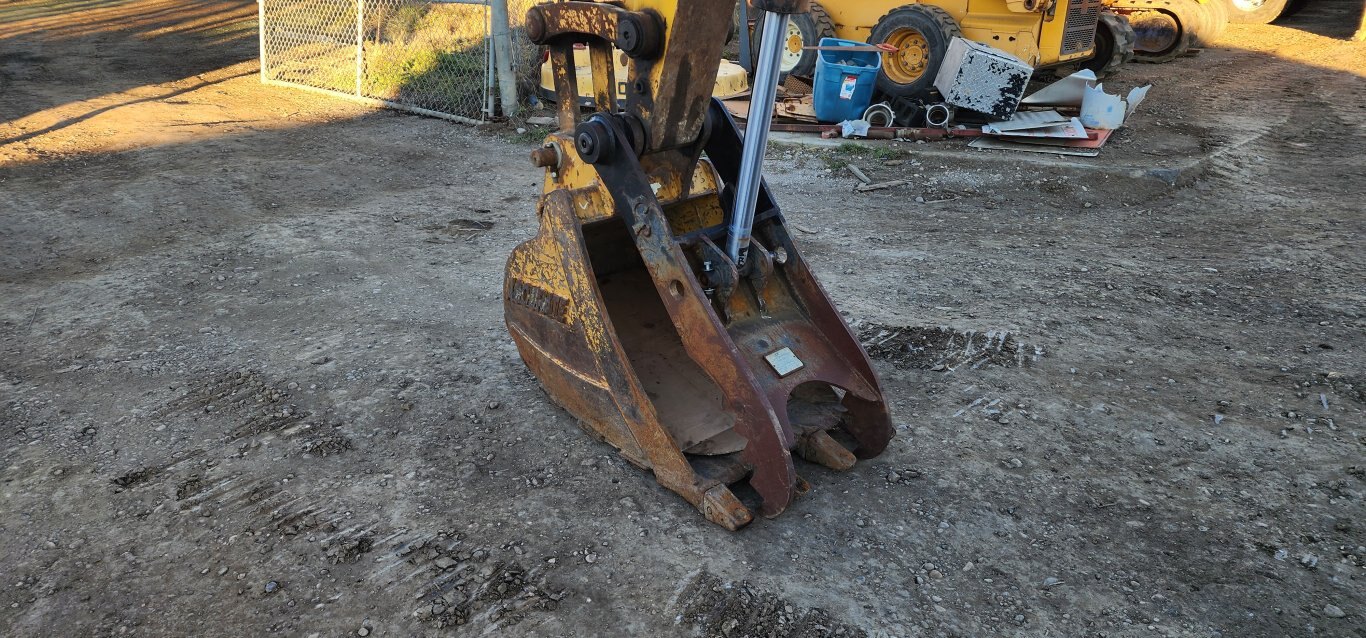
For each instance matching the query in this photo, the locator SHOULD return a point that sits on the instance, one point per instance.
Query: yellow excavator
(663, 301)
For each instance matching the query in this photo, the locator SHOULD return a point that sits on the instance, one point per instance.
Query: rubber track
(1205, 20)
(1187, 14)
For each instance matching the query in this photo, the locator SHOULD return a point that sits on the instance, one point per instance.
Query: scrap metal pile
(979, 93)
(1073, 116)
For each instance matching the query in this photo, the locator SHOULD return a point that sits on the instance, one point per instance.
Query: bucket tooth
(819, 447)
(720, 506)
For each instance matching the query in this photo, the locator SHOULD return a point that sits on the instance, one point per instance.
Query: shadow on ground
(115, 46)
(1329, 18)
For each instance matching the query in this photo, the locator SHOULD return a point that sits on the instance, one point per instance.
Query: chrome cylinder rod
(765, 89)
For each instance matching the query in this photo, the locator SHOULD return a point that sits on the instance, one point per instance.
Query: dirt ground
(254, 377)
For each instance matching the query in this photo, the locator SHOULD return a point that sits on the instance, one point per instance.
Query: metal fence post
(490, 100)
(360, 48)
(502, 56)
(261, 35)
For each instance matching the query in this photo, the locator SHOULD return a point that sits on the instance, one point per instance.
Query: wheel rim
(1248, 5)
(911, 58)
(792, 48)
(1155, 32)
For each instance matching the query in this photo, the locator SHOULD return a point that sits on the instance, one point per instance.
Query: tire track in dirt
(255, 413)
(943, 349)
(258, 408)
(1268, 119)
(454, 582)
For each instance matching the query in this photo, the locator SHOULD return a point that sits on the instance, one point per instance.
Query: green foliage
(885, 152)
(839, 156)
(426, 74)
(533, 135)
(399, 24)
(428, 55)
(833, 161)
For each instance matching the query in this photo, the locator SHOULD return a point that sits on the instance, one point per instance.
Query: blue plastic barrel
(844, 81)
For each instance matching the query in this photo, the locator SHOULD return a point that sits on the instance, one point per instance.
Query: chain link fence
(435, 58)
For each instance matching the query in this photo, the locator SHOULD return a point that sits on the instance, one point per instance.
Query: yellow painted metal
(1050, 38)
(911, 57)
(604, 76)
(1032, 36)
(697, 207)
(731, 79)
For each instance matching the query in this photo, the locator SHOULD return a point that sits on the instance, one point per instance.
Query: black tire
(1114, 45)
(812, 26)
(1253, 12)
(935, 26)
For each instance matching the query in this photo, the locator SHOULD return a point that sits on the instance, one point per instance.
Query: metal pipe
(490, 106)
(360, 48)
(502, 56)
(261, 28)
(938, 115)
(764, 90)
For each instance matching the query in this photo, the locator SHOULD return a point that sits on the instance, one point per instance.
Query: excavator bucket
(627, 310)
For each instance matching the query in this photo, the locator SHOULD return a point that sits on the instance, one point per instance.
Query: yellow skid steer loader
(1042, 33)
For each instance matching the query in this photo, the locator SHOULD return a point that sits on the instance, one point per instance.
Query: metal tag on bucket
(784, 362)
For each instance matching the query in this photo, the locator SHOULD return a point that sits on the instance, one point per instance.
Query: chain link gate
(437, 58)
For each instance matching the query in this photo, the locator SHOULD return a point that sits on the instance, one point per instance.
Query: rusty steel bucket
(640, 326)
